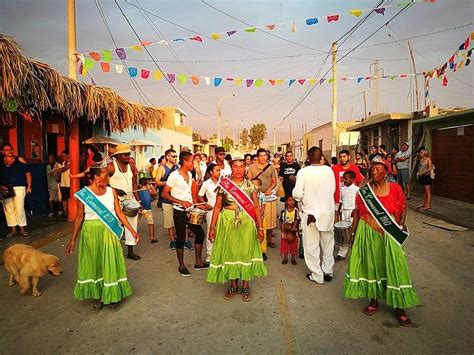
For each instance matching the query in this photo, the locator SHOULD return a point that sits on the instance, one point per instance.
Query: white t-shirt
(406, 163)
(348, 197)
(180, 189)
(65, 176)
(107, 200)
(315, 187)
(208, 189)
(203, 167)
(226, 171)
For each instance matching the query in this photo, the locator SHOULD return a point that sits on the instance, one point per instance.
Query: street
(171, 314)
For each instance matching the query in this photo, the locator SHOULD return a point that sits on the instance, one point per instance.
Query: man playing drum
(123, 177)
(178, 190)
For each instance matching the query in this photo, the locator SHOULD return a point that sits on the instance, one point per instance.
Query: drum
(289, 235)
(196, 216)
(130, 207)
(342, 232)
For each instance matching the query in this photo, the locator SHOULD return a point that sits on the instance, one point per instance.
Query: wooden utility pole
(74, 153)
(365, 104)
(417, 98)
(334, 100)
(274, 141)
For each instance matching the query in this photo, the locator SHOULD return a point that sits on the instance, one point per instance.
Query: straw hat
(122, 149)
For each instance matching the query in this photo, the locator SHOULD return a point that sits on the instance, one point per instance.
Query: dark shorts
(65, 193)
(424, 180)
(403, 176)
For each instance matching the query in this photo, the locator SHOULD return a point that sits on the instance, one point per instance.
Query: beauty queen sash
(381, 216)
(240, 197)
(108, 218)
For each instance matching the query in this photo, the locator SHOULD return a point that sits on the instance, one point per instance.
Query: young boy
(145, 198)
(289, 225)
(347, 205)
(261, 200)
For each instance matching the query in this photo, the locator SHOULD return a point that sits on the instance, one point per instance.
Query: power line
(154, 61)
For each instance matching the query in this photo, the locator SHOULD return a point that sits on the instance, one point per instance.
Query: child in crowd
(207, 194)
(289, 225)
(347, 205)
(145, 198)
(261, 200)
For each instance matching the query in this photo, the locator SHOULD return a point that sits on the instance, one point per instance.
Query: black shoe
(184, 272)
(264, 256)
(308, 276)
(204, 266)
(327, 277)
(301, 256)
(284, 261)
(133, 257)
(293, 262)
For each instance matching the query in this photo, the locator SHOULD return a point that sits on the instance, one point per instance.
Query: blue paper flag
(133, 72)
(360, 79)
(217, 81)
(291, 81)
(311, 21)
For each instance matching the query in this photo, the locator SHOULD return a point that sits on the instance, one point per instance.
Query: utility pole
(415, 77)
(274, 141)
(74, 125)
(375, 88)
(334, 100)
(365, 104)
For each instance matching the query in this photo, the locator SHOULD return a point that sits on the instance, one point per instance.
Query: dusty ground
(171, 314)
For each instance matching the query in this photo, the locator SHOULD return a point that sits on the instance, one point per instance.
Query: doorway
(52, 144)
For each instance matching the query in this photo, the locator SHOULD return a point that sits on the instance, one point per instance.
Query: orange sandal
(230, 294)
(246, 296)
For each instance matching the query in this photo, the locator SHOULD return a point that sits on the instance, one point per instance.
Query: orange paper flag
(105, 67)
(195, 80)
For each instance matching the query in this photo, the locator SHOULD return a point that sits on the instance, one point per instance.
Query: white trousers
(129, 240)
(208, 243)
(343, 249)
(317, 245)
(14, 208)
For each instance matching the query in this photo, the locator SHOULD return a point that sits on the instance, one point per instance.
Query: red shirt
(338, 172)
(394, 203)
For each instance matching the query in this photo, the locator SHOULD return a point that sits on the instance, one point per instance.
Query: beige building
(321, 137)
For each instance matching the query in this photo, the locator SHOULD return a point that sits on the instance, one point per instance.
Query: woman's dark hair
(162, 158)
(97, 157)
(94, 171)
(93, 149)
(5, 145)
(248, 155)
(210, 168)
(183, 156)
(228, 157)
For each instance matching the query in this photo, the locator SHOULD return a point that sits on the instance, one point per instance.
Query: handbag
(281, 191)
(10, 192)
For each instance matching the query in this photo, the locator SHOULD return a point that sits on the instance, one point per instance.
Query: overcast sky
(40, 28)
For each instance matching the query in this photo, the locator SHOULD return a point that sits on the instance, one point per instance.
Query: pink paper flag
(333, 18)
(301, 81)
(270, 27)
(171, 77)
(145, 74)
(196, 38)
(445, 81)
(146, 43)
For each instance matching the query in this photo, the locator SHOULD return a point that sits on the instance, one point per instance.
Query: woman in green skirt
(101, 273)
(236, 231)
(378, 267)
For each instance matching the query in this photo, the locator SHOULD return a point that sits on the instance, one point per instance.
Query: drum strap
(381, 215)
(240, 197)
(107, 217)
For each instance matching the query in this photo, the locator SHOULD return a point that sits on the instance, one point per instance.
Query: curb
(445, 218)
(47, 239)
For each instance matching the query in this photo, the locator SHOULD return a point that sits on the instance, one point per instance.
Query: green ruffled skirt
(236, 253)
(378, 269)
(101, 272)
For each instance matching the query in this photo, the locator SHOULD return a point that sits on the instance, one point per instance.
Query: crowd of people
(239, 197)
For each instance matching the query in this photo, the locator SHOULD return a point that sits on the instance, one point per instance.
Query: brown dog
(23, 261)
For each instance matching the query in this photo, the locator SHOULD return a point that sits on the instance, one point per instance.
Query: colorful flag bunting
(445, 81)
(238, 81)
(137, 48)
(280, 81)
(359, 79)
(195, 80)
(182, 78)
(196, 38)
(145, 74)
(331, 80)
(119, 68)
(311, 21)
(207, 80)
(312, 82)
(105, 67)
(217, 81)
(468, 61)
(215, 36)
(230, 33)
(258, 82)
(121, 53)
(89, 63)
(272, 82)
(249, 82)
(106, 56)
(95, 56)
(178, 40)
(291, 81)
(293, 27)
(270, 27)
(380, 10)
(355, 12)
(146, 43)
(321, 81)
(79, 68)
(403, 75)
(301, 81)
(171, 78)
(344, 78)
(250, 29)
(133, 72)
(157, 75)
(392, 77)
(333, 18)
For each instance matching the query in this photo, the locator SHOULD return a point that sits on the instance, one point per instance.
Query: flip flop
(404, 320)
(25, 234)
(370, 310)
(11, 234)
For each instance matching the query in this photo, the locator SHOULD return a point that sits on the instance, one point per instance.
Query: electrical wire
(156, 64)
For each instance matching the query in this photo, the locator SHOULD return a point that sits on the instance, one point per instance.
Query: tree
(227, 143)
(257, 134)
(244, 138)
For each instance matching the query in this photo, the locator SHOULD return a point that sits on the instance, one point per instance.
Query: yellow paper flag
(238, 81)
(312, 82)
(280, 81)
(157, 75)
(355, 12)
(137, 48)
(215, 36)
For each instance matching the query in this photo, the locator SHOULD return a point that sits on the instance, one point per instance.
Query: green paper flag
(106, 56)
(182, 78)
(89, 63)
(331, 80)
(258, 82)
(250, 29)
(393, 77)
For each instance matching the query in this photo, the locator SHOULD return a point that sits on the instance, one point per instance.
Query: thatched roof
(36, 87)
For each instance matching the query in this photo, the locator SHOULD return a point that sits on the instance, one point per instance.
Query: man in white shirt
(226, 170)
(403, 166)
(179, 191)
(315, 187)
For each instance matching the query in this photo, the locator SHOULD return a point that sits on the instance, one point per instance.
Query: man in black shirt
(288, 170)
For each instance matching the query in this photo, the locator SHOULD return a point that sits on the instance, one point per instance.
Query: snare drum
(196, 216)
(342, 232)
(130, 207)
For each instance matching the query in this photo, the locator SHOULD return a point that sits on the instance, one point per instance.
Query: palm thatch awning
(36, 87)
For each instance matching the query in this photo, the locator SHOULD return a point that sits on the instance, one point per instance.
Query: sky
(40, 28)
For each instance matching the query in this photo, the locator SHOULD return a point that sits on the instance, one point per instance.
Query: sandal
(404, 320)
(231, 293)
(115, 306)
(153, 240)
(246, 296)
(25, 233)
(97, 307)
(370, 309)
(11, 234)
